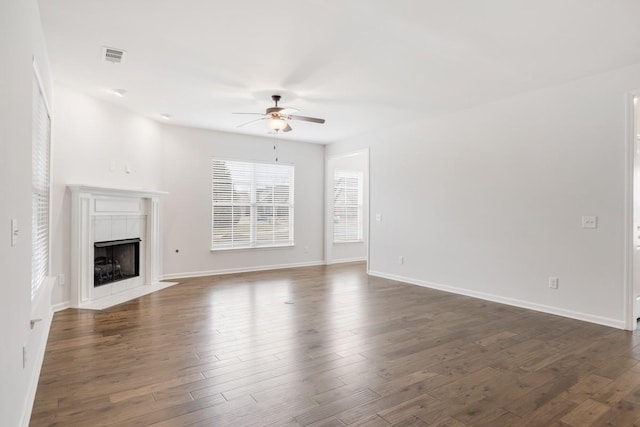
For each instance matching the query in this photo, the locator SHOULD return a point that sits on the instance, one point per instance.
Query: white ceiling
(360, 64)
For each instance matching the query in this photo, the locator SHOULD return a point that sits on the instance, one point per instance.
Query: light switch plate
(589, 222)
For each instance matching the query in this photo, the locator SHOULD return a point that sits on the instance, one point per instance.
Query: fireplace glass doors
(115, 260)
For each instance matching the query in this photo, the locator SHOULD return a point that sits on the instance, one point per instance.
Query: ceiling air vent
(111, 54)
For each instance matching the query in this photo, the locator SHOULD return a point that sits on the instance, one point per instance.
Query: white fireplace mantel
(107, 191)
(101, 213)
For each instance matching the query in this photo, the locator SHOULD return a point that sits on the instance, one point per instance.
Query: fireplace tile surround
(100, 214)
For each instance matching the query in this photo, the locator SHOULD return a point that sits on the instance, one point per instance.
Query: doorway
(347, 208)
(633, 294)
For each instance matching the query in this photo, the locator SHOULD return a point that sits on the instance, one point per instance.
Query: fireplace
(115, 260)
(104, 217)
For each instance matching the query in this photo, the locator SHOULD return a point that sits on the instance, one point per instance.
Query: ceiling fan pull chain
(275, 148)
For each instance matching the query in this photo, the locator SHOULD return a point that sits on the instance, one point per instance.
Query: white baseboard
(239, 270)
(61, 306)
(605, 321)
(345, 260)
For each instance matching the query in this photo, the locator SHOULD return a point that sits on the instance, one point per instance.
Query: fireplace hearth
(115, 260)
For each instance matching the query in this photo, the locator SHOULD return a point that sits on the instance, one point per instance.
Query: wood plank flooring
(330, 346)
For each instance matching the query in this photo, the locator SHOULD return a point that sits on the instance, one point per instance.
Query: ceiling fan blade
(287, 129)
(254, 114)
(252, 121)
(306, 119)
(288, 110)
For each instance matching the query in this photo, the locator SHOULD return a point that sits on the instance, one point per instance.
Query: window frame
(359, 206)
(40, 263)
(253, 207)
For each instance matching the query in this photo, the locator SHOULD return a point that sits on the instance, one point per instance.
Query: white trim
(328, 208)
(367, 230)
(61, 306)
(345, 260)
(328, 203)
(345, 174)
(628, 305)
(115, 202)
(240, 270)
(244, 248)
(41, 307)
(109, 191)
(47, 106)
(606, 321)
(251, 170)
(36, 71)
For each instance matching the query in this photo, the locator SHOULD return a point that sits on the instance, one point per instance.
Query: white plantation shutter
(41, 152)
(347, 206)
(252, 204)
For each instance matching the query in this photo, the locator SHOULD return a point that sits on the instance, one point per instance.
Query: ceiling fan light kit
(276, 124)
(277, 117)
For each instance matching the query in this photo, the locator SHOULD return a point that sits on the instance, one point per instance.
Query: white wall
(488, 201)
(20, 40)
(341, 252)
(187, 208)
(94, 141)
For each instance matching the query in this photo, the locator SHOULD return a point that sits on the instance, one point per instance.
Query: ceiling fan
(277, 117)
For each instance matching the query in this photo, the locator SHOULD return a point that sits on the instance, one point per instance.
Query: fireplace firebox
(115, 260)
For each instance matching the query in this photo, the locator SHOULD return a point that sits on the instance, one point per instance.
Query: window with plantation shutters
(40, 152)
(252, 204)
(347, 206)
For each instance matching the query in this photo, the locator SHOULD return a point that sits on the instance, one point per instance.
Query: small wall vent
(111, 54)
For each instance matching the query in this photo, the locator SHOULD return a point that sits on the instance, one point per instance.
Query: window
(40, 152)
(347, 206)
(252, 205)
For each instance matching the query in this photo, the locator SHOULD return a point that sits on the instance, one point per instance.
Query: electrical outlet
(590, 222)
(378, 217)
(61, 279)
(553, 282)
(400, 259)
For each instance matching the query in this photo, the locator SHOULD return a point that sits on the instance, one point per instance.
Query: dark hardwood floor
(330, 346)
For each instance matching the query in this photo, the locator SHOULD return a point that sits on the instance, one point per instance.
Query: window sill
(245, 248)
(348, 241)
